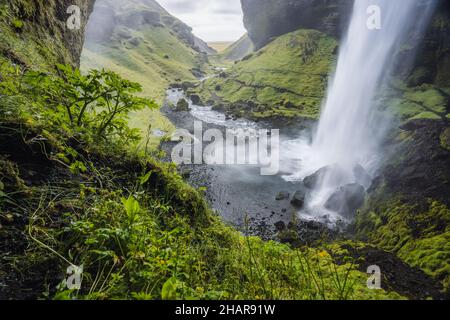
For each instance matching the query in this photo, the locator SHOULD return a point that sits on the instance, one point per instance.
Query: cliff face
(265, 19)
(433, 62)
(36, 33)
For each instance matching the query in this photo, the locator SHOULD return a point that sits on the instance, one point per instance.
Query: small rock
(283, 195)
(280, 225)
(182, 105)
(186, 173)
(196, 99)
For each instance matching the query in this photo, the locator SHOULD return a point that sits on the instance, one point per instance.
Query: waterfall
(350, 132)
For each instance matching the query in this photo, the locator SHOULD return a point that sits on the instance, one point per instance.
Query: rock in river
(298, 200)
(346, 200)
(182, 105)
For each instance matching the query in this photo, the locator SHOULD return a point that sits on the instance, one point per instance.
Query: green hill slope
(286, 78)
(144, 43)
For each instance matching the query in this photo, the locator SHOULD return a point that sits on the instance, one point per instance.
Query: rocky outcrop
(123, 17)
(49, 40)
(265, 19)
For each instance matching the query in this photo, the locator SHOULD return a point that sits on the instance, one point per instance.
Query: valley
(364, 149)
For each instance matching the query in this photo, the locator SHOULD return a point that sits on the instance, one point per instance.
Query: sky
(211, 20)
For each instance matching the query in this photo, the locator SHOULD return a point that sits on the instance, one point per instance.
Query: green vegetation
(420, 237)
(161, 59)
(286, 78)
(423, 102)
(27, 42)
(138, 230)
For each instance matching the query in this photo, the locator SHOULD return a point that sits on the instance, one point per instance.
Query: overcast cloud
(211, 20)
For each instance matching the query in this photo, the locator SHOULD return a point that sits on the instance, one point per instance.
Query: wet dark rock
(298, 200)
(182, 105)
(280, 226)
(196, 99)
(283, 16)
(347, 200)
(313, 180)
(283, 195)
(186, 173)
(362, 177)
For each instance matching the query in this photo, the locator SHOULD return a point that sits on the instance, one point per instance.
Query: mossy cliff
(35, 33)
(268, 19)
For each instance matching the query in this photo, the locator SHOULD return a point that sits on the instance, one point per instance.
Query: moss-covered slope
(287, 78)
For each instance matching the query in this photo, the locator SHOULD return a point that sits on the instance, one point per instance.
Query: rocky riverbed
(266, 206)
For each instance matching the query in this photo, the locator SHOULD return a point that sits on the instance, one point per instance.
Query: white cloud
(211, 20)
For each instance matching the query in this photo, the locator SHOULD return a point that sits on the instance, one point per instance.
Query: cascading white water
(348, 133)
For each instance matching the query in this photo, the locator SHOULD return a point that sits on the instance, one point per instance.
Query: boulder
(313, 180)
(182, 105)
(346, 200)
(195, 98)
(298, 200)
(362, 177)
(280, 226)
(124, 34)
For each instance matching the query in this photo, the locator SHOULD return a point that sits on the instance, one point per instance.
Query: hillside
(287, 78)
(238, 50)
(142, 42)
(75, 190)
(73, 193)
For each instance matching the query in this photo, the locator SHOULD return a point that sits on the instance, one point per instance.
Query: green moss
(423, 102)
(445, 139)
(286, 78)
(420, 238)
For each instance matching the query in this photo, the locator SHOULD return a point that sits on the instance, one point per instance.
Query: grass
(159, 60)
(137, 228)
(286, 78)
